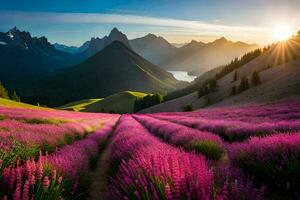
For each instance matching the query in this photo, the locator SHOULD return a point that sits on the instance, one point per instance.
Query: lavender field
(250, 152)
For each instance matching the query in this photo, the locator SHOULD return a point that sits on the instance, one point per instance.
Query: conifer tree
(255, 78)
(235, 76)
(233, 90)
(3, 92)
(244, 85)
(15, 97)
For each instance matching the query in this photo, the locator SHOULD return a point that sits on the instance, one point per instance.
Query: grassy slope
(10, 103)
(122, 102)
(79, 105)
(278, 82)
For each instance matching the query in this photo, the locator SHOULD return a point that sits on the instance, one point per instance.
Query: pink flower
(40, 170)
(54, 174)
(25, 190)
(17, 193)
(60, 180)
(168, 192)
(32, 180)
(46, 182)
(12, 178)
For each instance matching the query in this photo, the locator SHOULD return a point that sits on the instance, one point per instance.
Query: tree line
(147, 101)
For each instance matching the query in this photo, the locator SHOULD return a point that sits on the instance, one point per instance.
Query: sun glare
(282, 32)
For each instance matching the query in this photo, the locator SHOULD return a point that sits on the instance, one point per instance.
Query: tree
(3, 92)
(187, 108)
(212, 84)
(244, 85)
(203, 91)
(255, 78)
(235, 76)
(15, 97)
(233, 90)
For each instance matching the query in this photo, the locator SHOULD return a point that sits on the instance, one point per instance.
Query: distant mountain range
(57, 74)
(72, 49)
(199, 57)
(23, 57)
(113, 69)
(178, 45)
(195, 57)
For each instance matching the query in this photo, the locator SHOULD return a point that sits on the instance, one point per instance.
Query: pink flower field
(249, 152)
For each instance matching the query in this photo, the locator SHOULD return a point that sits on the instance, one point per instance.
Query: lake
(183, 76)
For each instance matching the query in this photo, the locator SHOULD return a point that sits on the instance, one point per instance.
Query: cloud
(93, 18)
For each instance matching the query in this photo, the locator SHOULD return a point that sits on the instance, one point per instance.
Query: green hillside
(10, 103)
(79, 105)
(122, 102)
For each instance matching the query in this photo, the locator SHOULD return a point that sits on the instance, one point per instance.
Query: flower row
(203, 142)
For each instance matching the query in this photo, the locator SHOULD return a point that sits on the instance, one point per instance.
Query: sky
(73, 22)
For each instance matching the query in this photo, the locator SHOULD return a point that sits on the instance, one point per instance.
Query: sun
(282, 32)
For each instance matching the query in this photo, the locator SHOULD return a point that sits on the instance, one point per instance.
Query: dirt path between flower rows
(99, 177)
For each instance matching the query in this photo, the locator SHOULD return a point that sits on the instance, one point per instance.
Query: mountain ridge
(102, 75)
(96, 44)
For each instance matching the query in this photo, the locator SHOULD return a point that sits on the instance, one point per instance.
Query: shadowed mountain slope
(24, 58)
(154, 48)
(114, 69)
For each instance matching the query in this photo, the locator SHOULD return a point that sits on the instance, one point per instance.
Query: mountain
(278, 70)
(154, 48)
(114, 69)
(97, 44)
(196, 57)
(72, 49)
(23, 58)
(65, 48)
(200, 57)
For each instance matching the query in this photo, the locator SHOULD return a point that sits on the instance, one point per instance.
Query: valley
(144, 100)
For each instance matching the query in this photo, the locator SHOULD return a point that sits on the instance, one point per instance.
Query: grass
(210, 149)
(44, 121)
(79, 105)
(122, 102)
(10, 103)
